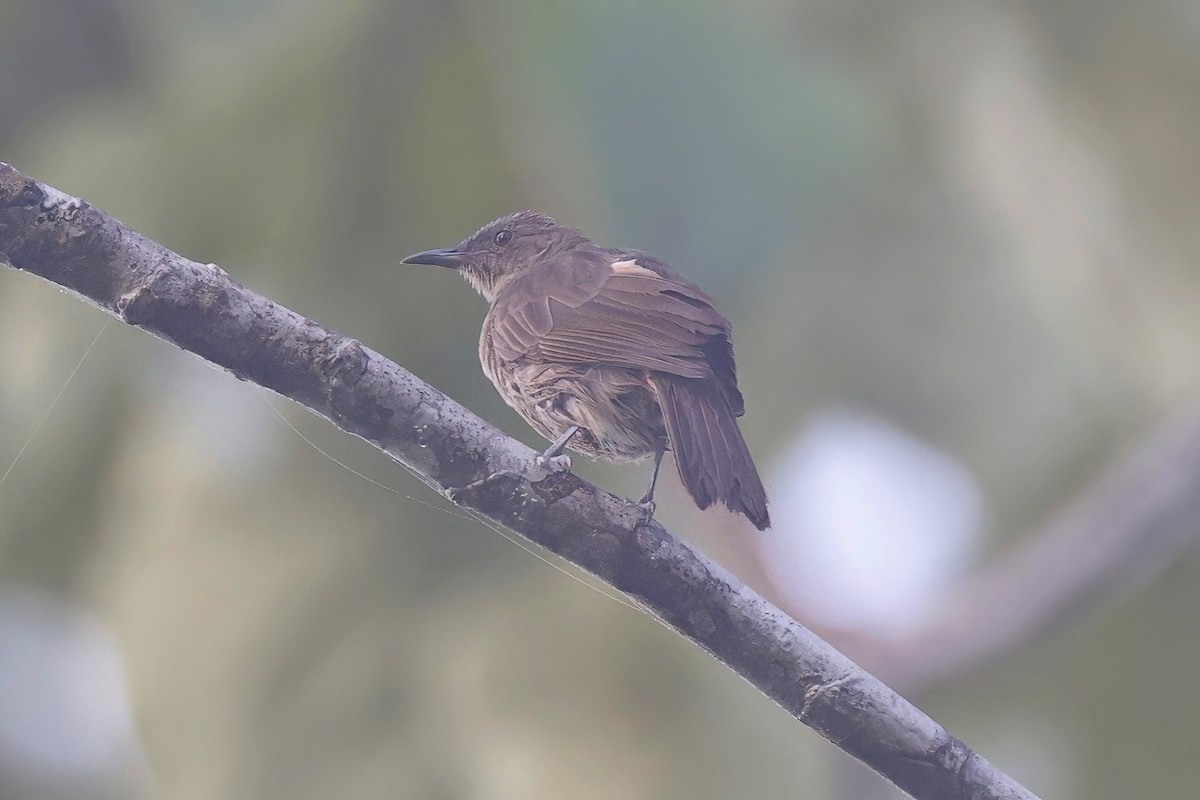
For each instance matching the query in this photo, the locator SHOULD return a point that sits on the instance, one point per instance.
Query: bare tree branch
(200, 309)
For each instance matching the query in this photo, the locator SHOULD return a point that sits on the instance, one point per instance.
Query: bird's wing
(637, 313)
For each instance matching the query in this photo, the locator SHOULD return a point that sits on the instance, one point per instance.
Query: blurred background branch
(1124, 531)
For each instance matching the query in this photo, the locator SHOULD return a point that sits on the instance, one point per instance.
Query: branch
(200, 309)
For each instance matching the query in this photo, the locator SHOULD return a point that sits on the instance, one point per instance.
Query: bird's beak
(451, 257)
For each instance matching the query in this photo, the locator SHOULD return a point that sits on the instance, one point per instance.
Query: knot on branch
(161, 297)
(824, 707)
(953, 756)
(345, 366)
(59, 206)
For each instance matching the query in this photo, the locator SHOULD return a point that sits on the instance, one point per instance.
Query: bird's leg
(647, 502)
(554, 459)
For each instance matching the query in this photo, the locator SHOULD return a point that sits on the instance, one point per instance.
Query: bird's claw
(558, 463)
(647, 507)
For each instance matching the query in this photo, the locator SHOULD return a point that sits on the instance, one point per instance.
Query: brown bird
(610, 352)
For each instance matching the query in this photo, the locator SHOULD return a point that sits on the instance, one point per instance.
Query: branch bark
(200, 309)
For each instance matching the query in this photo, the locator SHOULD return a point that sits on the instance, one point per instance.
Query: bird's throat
(483, 282)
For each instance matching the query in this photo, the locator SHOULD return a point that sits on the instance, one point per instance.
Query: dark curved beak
(451, 257)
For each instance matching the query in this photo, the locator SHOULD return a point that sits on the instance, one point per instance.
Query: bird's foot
(647, 506)
(554, 463)
(554, 459)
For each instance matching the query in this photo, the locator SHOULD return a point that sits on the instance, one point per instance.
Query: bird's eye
(504, 236)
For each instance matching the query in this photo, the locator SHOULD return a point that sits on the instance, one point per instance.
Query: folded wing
(640, 316)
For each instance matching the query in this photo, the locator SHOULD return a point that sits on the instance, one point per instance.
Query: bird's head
(502, 249)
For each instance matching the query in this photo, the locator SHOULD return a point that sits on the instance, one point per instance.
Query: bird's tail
(710, 453)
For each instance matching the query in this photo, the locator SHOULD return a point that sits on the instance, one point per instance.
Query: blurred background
(957, 242)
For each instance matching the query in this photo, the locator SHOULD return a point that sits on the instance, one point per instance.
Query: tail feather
(710, 453)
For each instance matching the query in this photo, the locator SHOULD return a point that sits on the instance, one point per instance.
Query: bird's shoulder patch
(630, 266)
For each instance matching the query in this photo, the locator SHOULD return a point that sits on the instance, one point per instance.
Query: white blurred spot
(871, 524)
(64, 710)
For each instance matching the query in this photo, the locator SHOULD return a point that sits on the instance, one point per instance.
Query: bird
(610, 353)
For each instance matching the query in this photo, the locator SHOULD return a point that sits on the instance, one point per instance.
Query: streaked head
(500, 250)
